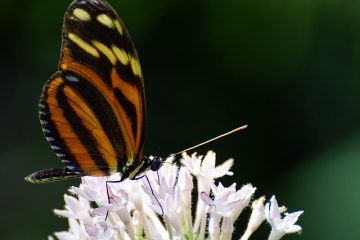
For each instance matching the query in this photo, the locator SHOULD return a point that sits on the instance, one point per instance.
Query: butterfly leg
(108, 195)
(137, 178)
(152, 192)
(151, 189)
(140, 177)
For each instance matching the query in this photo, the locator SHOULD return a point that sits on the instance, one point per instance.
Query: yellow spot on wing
(118, 26)
(135, 66)
(83, 45)
(81, 14)
(121, 55)
(105, 20)
(106, 51)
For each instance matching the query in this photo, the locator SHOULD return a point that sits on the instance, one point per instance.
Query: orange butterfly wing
(92, 110)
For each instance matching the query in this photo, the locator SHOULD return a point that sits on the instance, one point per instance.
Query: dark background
(289, 69)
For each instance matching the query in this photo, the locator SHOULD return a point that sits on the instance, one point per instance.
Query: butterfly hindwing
(93, 109)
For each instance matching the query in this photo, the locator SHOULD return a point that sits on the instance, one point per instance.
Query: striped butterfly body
(92, 110)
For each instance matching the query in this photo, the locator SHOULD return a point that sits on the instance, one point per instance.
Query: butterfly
(92, 110)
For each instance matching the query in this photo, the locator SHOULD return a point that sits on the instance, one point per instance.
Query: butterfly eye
(155, 163)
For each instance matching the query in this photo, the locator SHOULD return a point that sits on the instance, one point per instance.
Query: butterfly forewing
(92, 110)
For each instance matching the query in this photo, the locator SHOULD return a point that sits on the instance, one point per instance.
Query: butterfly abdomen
(51, 175)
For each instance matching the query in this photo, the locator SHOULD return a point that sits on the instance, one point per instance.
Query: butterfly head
(155, 163)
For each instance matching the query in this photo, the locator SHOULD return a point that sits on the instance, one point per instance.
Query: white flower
(281, 226)
(226, 206)
(76, 231)
(206, 172)
(75, 208)
(159, 206)
(227, 201)
(205, 167)
(256, 218)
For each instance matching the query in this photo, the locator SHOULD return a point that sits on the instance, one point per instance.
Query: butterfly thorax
(137, 170)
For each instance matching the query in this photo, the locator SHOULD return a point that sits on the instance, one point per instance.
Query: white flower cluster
(159, 206)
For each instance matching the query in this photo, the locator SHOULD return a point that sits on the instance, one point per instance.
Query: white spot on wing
(72, 78)
(55, 147)
(50, 139)
(71, 167)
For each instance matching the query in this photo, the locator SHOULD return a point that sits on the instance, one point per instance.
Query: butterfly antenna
(211, 140)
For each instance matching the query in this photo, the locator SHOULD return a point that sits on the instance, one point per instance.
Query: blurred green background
(289, 69)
